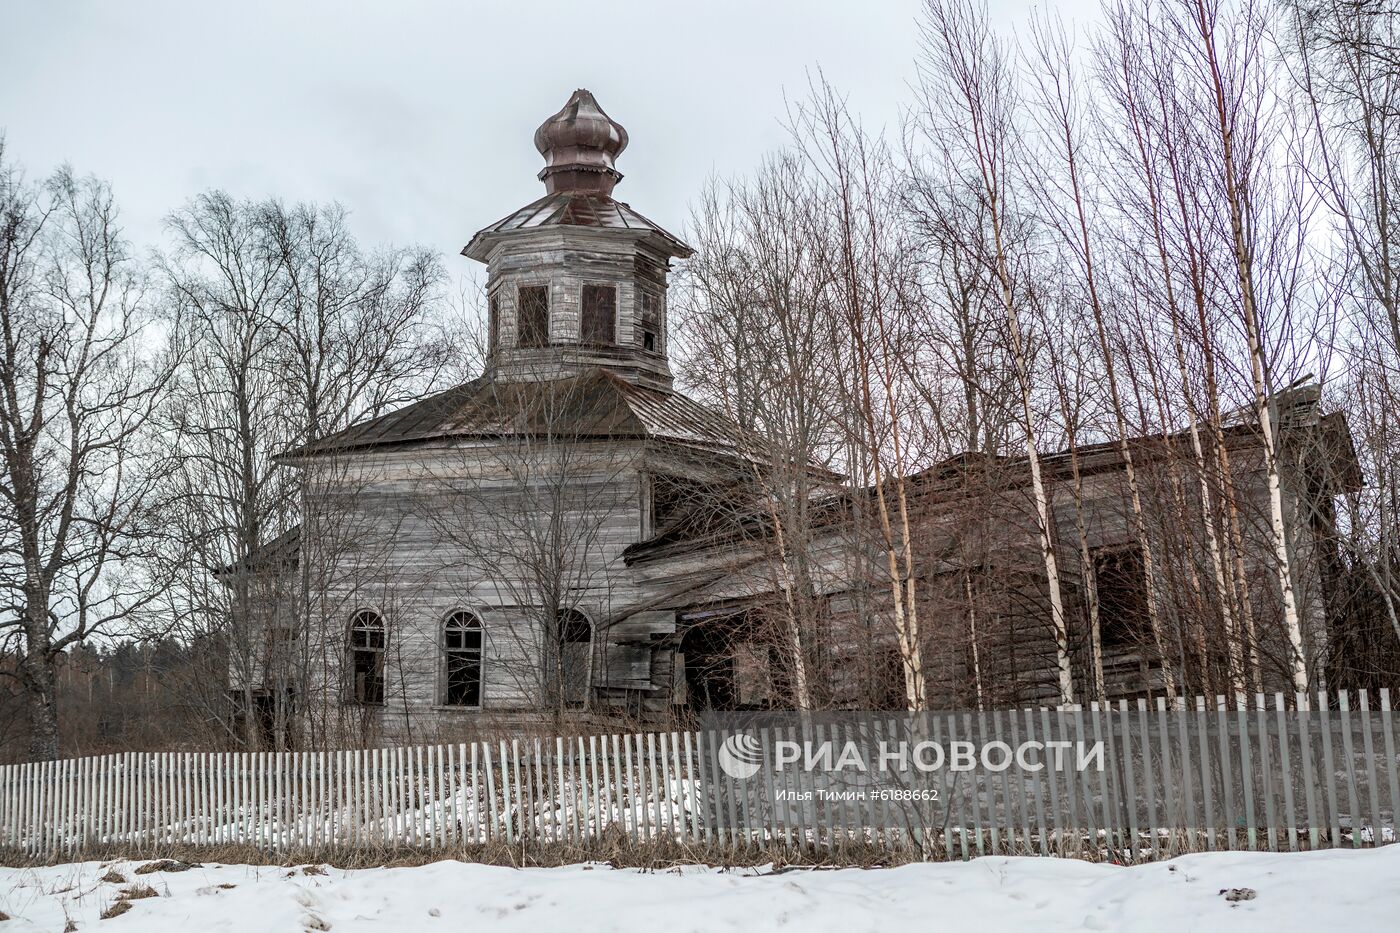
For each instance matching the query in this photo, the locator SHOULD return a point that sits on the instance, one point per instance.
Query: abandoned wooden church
(568, 534)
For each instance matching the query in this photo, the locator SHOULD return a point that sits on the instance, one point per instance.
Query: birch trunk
(1243, 260)
(793, 624)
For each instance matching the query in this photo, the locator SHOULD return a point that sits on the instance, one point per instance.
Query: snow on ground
(1291, 892)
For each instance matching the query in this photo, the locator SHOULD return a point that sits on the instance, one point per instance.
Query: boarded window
(366, 661)
(1122, 590)
(532, 316)
(651, 321)
(575, 649)
(462, 654)
(599, 321)
(281, 641)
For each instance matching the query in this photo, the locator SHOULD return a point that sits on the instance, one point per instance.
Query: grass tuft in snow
(165, 864)
(116, 910)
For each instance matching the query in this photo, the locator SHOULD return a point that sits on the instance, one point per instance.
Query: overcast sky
(418, 116)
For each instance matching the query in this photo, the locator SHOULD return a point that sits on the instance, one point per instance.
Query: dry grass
(138, 891)
(113, 877)
(165, 864)
(116, 910)
(613, 849)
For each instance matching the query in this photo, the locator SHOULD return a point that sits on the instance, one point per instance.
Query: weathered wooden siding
(564, 260)
(993, 531)
(416, 534)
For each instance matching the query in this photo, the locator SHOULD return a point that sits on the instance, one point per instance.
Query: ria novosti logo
(741, 756)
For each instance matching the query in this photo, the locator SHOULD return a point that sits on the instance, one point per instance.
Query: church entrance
(729, 665)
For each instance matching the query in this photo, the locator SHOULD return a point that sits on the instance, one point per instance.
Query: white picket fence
(1269, 780)
(427, 796)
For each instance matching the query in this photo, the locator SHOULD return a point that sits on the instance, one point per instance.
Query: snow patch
(1234, 891)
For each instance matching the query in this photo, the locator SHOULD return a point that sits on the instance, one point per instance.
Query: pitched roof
(575, 209)
(593, 404)
(281, 553)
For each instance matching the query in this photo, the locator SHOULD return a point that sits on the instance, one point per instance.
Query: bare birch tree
(290, 332)
(1062, 110)
(78, 386)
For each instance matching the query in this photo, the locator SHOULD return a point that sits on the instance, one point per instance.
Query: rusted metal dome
(579, 145)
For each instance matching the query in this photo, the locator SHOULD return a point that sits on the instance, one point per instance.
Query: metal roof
(575, 209)
(593, 404)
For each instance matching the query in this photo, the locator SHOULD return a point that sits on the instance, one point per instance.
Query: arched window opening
(462, 650)
(366, 660)
(575, 655)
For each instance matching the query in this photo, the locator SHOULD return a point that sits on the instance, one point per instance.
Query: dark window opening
(1122, 591)
(269, 717)
(574, 628)
(599, 318)
(367, 658)
(701, 506)
(670, 496)
(269, 713)
(462, 647)
(887, 687)
(493, 325)
(709, 669)
(575, 644)
(532, 316)
(651, 321)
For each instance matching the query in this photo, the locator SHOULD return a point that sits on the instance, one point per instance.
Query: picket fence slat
(1369, 751)
(1349, 755)
(1391, 765)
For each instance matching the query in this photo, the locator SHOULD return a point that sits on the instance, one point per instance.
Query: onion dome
(579, 145)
